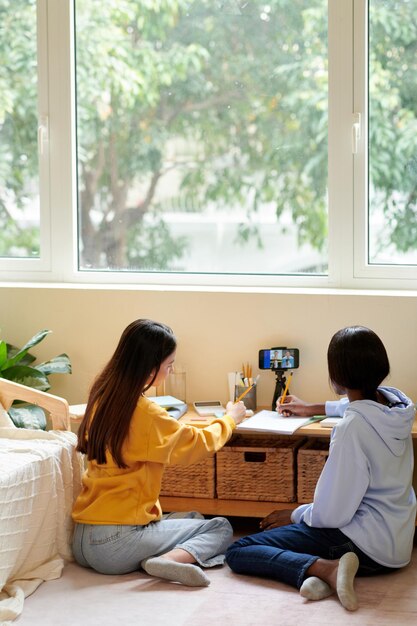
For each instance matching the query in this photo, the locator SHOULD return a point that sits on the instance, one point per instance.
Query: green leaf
(58, 365)
(3, 353)
(40, 336)
(28, 416)
(28, 376)
(23, 351)
(13, 350)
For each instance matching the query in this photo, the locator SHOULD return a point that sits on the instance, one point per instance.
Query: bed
(40, 476)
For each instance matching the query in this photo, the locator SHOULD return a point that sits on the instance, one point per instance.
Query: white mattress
(40, 476)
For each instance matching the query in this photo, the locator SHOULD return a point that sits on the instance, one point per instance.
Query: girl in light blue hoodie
(362, 518)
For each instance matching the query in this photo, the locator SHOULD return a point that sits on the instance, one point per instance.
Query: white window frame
(387, 276)
(348, 267)
(17, 267)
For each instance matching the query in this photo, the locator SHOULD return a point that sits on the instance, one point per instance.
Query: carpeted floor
(83, 597)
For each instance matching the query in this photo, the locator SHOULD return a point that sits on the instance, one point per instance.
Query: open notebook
(272, 422)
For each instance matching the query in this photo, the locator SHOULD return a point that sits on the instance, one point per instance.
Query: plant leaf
(36, 339)
(18, 356)
(58, 365)
(3, 353)
(28, 416)
(13, 350)
(28, 376)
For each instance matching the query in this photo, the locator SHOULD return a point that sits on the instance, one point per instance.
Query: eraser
(249, 413)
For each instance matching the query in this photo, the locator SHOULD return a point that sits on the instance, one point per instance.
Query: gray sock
(184, 573)
(314, 588)
(348, 566)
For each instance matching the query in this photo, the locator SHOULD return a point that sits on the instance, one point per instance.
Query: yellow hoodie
(115, 495)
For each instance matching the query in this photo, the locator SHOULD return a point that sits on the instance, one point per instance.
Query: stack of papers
(272, 422)
(174, 407)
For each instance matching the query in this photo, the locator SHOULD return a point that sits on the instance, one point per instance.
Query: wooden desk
(309, 430)
(214, 506)
(238, 508)
(242, 508)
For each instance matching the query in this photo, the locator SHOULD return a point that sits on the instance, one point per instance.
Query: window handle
(43, 134)
(356, 131)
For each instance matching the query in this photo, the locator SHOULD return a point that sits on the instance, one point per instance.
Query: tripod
(280, 383)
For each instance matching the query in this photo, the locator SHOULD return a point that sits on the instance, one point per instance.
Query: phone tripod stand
(280, 383)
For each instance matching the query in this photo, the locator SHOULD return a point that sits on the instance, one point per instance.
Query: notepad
(165, 400)
(272, 422)
(174, 407)
(329, 422)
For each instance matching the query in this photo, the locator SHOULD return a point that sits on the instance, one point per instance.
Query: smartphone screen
(279, 358)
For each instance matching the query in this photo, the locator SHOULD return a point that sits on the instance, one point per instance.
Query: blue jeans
(286, 553)
(120, 549)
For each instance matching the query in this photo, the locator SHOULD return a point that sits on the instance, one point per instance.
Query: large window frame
(16, 268)
(394, 276)
(347, 188)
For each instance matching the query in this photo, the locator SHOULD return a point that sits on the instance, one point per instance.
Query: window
(392, 210)
(198, 142)
(202, 136)
(19, 167)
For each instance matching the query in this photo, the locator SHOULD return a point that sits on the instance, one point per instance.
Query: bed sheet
(40, 476)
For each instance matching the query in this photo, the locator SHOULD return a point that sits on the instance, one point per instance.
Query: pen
(286, 389)
(242, 395)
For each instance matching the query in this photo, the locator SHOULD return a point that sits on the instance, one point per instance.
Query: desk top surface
(309, 430)
(191, 417)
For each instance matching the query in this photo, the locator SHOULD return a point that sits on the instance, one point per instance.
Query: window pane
(392, 132)
(202, 136)
(19, 171)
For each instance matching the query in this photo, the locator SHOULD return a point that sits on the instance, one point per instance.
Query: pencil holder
(250, 399)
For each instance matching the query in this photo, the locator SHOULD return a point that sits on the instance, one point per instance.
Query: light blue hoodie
(365, 488)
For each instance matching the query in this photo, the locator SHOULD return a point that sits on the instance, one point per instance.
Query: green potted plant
(17, 365)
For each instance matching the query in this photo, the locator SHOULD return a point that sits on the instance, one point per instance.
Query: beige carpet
(83, 597)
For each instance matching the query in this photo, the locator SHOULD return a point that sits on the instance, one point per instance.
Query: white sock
(314, 588)
(348, 566)
(184, 573)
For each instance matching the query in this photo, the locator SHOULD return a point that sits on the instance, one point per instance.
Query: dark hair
(357, 359)
(142, 348)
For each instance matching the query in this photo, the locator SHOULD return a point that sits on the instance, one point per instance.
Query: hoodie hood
(393, 423)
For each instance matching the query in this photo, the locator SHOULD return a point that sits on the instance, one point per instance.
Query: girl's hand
(237, 411)
(276, 519)
(294, 406)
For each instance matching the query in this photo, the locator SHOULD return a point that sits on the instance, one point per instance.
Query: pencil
(242, 395)
(286, 389)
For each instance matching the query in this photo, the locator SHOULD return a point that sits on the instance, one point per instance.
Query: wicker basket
(310, 461)
(257, 469)
(190, 481)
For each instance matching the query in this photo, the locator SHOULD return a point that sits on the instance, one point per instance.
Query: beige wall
(215, 331)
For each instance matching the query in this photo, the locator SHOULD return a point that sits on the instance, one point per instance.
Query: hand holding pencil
(238, 406)
(236, 410)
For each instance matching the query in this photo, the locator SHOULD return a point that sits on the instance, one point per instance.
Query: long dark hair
(143, 346)
(357, 359)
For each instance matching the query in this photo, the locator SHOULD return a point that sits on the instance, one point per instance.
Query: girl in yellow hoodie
(128, 439)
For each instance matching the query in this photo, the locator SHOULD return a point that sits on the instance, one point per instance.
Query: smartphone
(279, 358)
